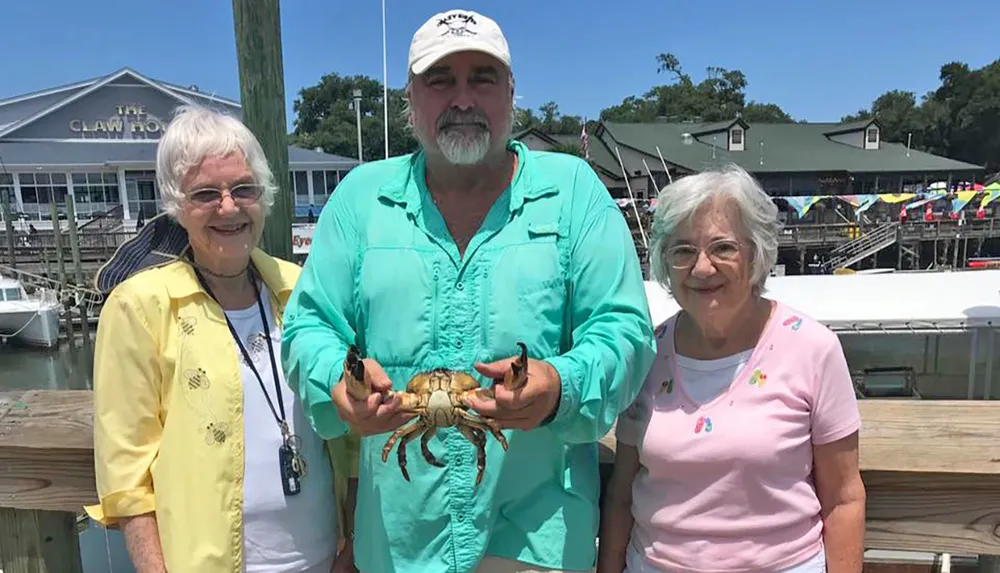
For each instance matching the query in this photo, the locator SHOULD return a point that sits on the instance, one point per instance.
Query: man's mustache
(453, 117)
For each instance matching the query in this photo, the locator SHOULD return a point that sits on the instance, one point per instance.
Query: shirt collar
(405, 187)
(181, 281)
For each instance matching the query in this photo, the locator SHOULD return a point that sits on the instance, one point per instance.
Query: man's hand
(364, 397)
(523, 408)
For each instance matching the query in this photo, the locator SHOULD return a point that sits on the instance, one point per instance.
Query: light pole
(357, 111)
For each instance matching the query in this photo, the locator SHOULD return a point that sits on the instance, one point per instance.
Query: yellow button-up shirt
(168, 414)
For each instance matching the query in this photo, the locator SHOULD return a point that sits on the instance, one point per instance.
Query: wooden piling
(74, 244)
(262, 91)
(9, 225)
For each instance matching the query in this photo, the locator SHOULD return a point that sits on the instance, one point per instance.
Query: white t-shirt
(280, 533)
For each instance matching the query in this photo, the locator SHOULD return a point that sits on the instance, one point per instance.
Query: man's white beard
(461, 149)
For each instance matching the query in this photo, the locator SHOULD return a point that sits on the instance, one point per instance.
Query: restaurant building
(94, 143)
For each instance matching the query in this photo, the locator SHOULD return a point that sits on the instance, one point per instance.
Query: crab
(440, 398)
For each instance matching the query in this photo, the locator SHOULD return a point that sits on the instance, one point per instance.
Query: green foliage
(960, 119)
(325, 118)
(720, 96)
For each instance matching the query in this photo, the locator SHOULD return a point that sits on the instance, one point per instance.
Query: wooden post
(46, 452)
(60, 254)
(9, 224)
(39, 542)
(262, 91)
(74, 244)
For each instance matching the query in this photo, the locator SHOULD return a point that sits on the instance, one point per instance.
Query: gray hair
(680, 201)
(197, 132)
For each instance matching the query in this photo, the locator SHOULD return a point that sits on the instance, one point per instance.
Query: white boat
(28, 320)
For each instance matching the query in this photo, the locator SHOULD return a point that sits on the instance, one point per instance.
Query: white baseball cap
(456, 31)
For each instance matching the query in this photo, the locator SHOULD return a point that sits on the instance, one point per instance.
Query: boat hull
(38, 327)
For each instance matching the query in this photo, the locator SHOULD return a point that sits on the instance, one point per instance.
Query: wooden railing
(932, 474)
(931, 470)
(838, 233)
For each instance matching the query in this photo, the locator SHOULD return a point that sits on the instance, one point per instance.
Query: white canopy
(900, 301)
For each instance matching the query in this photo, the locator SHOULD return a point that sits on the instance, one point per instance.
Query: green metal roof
(770, 148)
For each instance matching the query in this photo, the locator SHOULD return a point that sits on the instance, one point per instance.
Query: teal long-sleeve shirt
(553, 266)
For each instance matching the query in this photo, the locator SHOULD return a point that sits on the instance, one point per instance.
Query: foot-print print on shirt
(758, 378)
(703, 423)
(667, 386)
(794, 321)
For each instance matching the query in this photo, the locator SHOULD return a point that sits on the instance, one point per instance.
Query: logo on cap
(458, 25)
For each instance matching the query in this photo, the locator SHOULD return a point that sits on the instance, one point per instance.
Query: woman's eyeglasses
(243, 194)
(685, 256)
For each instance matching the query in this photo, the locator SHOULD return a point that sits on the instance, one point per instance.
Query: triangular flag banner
(961, 199)
(802, 204)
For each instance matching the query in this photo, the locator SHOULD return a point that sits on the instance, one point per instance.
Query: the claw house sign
(131, 120)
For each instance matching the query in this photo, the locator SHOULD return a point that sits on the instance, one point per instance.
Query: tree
(960, 119)
(720, 96)
(325, 118)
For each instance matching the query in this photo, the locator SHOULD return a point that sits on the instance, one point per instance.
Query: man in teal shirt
(448, 258)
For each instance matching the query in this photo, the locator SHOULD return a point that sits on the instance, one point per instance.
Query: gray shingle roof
(98, 153)
(778, 148)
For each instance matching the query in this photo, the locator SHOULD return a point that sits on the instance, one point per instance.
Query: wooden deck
(931, 469)
(813, 236)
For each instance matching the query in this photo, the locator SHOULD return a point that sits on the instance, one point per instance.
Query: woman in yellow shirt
(204, 458)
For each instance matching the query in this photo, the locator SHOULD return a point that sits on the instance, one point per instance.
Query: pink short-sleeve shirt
(726, 486)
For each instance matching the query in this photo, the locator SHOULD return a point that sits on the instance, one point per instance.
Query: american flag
(585, 140)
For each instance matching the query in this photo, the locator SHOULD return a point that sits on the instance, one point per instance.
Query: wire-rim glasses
(244, 194)
(683, 257)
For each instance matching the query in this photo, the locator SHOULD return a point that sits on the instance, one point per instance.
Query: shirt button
(458, 344)
(460, 286)
(461, 517)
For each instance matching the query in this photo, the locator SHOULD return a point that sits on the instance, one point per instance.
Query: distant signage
(302, 237)
(130, 118)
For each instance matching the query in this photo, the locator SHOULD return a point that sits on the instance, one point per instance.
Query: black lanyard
(282, 424)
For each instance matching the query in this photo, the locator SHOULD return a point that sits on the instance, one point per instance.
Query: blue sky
(817, 60)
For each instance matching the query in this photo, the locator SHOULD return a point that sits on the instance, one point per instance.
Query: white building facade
(94, 143)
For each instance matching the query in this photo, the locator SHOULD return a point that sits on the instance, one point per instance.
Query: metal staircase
(864, 246)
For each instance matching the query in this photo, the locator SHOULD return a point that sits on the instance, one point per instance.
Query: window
(873, 134)
(12, 294)
(300, 180)
(142, 193)
(95, 193)
(736, 138)
(40, 191)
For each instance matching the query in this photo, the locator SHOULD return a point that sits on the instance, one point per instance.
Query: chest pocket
(526, 298)
(396, 304)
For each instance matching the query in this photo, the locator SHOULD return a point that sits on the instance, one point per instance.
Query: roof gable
(853, 126)
(107, 109)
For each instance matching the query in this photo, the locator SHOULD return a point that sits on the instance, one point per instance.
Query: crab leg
(401, 433)
(426, 450)
(401, 450)
(478, 439)
(485, 425)
(358, 387)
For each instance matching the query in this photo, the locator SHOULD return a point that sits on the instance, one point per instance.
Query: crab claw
(354, 375)
(518, 374)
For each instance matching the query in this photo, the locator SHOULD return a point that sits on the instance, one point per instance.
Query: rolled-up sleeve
(613, 345)
(127, 409)
(317, 325)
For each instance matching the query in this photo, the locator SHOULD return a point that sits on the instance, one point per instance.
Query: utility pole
(262, 92)
(357, 111)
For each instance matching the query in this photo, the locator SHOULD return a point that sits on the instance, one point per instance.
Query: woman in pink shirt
(740, 454)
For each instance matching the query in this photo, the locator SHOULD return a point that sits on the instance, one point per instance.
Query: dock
(931, 469)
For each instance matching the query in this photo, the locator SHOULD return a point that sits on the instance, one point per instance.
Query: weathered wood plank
(46, 450)
(953, 513)
(951, 436)
(38, 542)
